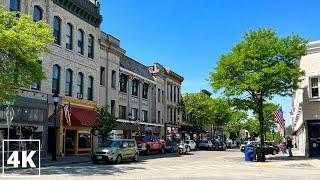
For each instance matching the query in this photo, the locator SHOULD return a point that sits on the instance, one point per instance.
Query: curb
(64, 163)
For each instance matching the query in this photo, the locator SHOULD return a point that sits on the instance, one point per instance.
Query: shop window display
(84, 140)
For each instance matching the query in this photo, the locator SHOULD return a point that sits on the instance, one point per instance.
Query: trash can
(248, 153)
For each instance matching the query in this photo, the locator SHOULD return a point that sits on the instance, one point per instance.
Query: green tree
(23, 43)
(236, 123)
(105, 122)
(198, 109)
(289, 129)
(261, 66)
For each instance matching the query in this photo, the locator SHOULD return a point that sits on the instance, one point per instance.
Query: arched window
(80, 41)
(80, 86)
(69, 37)
(37, 14)
(90, 88)
(91, 47)
(14, 5)
(68, 86)
(57, 30)
(56, 79)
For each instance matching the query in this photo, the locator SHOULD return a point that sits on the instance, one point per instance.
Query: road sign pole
(9, 116)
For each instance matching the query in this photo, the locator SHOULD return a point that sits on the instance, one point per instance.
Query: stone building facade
(71, 67)
(306, 104)
(88, 68)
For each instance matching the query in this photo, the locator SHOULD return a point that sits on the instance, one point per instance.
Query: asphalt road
(197, 165)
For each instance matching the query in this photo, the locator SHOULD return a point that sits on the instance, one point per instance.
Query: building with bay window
(306, 104)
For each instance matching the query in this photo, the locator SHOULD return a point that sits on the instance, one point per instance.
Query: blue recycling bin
(249, 153)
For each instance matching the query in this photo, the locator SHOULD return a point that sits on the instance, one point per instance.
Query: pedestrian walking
(289, 146)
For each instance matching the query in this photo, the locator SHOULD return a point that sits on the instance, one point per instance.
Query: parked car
(271, 148)
(248, 143)
(172, 146)
(220, 146)
(151, 143)
(205, 144)
(116, 151)
(184, 148)
(192, 144)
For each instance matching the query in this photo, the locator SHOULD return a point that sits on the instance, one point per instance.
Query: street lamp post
(55, 98)
(261, 120)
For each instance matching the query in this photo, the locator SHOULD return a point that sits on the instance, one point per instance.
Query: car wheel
(94, 161)
(274, 152)
(119, 159)
(135, 157)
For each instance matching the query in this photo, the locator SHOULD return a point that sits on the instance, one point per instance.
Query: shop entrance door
(70, 142)
(314, 138)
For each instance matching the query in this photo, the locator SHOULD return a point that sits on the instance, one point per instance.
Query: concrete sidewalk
(278, 161)
(45, 162)
(284, 161)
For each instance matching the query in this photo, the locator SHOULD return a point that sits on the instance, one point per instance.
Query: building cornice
(84, 9)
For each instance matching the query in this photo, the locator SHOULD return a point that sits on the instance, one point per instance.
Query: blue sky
(189, 36)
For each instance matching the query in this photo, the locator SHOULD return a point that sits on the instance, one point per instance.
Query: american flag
(67, 113)
(137, 123)
(280, 120)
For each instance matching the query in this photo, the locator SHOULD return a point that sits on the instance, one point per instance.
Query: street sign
(9, 112)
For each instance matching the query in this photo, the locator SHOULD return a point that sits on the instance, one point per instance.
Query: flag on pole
(278, 115)
(67, 113)
(137, 123)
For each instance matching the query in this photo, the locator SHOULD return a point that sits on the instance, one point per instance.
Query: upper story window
(90, 88)
(57, 30)
(144, 117)
(113, 79)
(102, 76)
(37, 14)
(80, 86)
(159, 95)
(314, 87)
(175, 94)
(122, 112)
(91, 47)
(56, 79)
(178, 94)
(123, 83)
(145, 91)
(68, 85)
(134, 113)
(162, 96)
(14, 5)
(36, 86)
(80, 41)
(135, 84)
(171, 92)
(69, 36)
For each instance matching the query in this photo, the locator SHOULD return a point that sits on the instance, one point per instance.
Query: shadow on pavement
(287, 158)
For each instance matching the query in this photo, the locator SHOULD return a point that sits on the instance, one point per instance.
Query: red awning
(81, 116)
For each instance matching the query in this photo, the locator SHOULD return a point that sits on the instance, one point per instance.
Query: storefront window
(2, 114)
(30, 117)
(18, 114)
(84, 140)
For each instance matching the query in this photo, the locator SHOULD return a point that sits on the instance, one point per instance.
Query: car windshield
(111, 144)
(204, 142)
(187, 142)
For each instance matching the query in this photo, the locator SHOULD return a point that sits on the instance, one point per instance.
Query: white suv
(192, 144)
